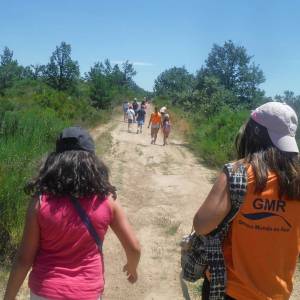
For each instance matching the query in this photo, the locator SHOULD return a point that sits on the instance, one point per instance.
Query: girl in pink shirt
(66, 262)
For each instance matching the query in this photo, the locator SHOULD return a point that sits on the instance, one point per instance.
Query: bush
(213, 139)
(24, 138)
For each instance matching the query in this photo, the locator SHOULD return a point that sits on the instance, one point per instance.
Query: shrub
(24, 137)
(213, 139)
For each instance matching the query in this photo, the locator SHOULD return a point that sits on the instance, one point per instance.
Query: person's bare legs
(129, 125)
(166, 136)
(152, 134)
(155, 134)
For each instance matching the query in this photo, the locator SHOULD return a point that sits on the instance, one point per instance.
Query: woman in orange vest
(155, 122)
(263, 244)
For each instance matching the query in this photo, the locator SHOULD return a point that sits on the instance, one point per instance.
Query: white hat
(281, 122)
(163, 109)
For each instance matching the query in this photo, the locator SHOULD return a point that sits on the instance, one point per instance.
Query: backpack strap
(237, 184)
(87, 222)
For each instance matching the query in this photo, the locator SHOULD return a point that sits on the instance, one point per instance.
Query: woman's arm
(128, 239)
(26, 254)
(215, 207)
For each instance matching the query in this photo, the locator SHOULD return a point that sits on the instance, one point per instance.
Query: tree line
(228, 77)
(103, 81)
(218, 98)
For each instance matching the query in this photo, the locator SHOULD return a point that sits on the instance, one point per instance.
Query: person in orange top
(263, 244)
(155, 121)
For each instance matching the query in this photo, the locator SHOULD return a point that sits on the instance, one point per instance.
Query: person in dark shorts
(140, 119)
(135, 105)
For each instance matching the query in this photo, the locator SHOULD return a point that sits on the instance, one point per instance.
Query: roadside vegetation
(36, 103)
(216, 100)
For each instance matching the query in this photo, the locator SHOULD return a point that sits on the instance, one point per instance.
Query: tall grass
(213, 139)
(25, 136)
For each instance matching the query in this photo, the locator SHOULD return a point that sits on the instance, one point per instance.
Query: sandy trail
(160, 188)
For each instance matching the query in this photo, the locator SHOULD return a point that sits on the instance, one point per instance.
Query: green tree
(173, 81)
(98, 87)
(117, 77)
(233, 67)
(37, 71)
(128, 72)
(107, 68)
(62, 73)
(10, 71)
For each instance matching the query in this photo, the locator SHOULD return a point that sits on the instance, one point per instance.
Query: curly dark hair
(77, 173)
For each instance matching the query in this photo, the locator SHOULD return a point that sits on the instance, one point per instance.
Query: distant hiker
(130, 117)
(73, 205)
(166, 128)
(144, 105)
(140, 118)
(155, 121)
(135, 105)
(125, 108)
(262, 247)
(163, 111)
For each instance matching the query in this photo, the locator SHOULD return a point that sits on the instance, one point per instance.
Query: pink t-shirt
(68, 264)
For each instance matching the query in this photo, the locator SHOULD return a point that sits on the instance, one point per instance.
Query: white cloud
(141, 63)
(135, 63)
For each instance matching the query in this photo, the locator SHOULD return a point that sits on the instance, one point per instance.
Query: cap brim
(284, 143)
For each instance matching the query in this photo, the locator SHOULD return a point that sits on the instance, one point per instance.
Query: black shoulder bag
(200, 253)
(87, 222)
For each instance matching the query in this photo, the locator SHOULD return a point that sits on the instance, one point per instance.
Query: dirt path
(160, 188)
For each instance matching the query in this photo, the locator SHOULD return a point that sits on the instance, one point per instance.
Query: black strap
(237, 183)
(87, 222)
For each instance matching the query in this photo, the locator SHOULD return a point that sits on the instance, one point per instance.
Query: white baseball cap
(281, 122)
(163, 109)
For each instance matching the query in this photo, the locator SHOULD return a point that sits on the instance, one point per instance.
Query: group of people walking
(73, 204)
(160, 118)
(135, 113)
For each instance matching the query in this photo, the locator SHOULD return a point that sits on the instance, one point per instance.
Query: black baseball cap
(74, 138)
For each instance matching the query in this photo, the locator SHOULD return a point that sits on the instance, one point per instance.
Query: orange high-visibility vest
(263, 245)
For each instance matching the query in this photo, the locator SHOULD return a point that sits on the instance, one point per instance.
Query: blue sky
(157, 34)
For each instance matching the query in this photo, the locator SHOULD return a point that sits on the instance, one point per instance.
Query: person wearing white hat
(261, 248)
(163, 110)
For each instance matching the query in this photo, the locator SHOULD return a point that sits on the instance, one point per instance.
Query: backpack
(201, 253)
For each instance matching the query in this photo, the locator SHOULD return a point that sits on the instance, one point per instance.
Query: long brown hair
(255, 147)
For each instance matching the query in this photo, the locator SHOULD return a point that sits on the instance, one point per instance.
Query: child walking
(130, 117)
(166, 128)
(73, 205)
